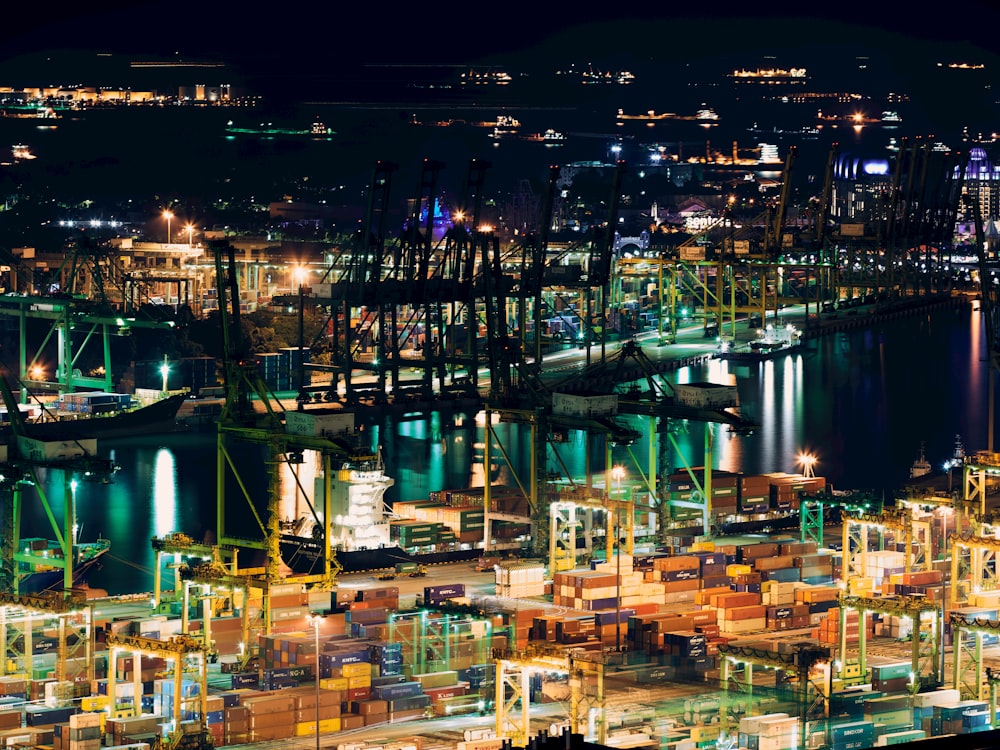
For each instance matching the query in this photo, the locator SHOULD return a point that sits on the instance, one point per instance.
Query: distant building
(859, 186)
(982, 180)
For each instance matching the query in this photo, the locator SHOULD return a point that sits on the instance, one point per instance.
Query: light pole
(315, 620)
(300, 276)
(618, 474)
(168, 215)
(164, 372)
(190, 232)
(808, 462)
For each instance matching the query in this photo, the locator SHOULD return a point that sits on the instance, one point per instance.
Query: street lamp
(315, 620)
(164, 372)
(300, 277)
(168, 215)
(618, 474)
(190, 232)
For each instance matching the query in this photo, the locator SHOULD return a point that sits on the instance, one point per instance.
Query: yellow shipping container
(705, 734)
(360, 669)
(359, 682)
(703, 547)
(860, 586)
(94, 703)
(736, 569)
(326, 726)
(333, 683)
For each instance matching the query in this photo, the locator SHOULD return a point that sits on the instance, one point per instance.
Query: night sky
(298, 33)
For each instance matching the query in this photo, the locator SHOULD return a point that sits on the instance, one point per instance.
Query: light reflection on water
(863, 401)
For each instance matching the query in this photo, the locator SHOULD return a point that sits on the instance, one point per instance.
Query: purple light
(876, 166)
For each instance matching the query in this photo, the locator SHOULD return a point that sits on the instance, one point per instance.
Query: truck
(412, 569)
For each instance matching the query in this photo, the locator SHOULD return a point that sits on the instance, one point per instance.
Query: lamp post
(164, 372)
(808, 462)
(168, 215)
(190, 232)
(300, 275)
(315, 620)
(618, 473)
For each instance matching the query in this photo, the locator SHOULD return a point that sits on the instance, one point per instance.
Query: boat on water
(550, 137)
(648, 115)
(98, 414)
(36, 576)
(505, 125)
(21, 151)
(772, 341)
(317, 129)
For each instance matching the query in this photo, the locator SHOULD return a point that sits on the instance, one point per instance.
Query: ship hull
(36, 583)
(304, 556)
(159, 416)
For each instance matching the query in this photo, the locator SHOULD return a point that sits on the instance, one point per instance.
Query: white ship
(359, 516)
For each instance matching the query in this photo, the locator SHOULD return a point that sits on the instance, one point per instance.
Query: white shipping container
(706, 395)
(315, 423)
(574, 405)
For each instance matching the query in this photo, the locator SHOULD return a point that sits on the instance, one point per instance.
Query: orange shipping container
(754, 612)
(734, 599)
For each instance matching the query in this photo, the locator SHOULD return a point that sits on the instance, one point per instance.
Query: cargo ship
(367, 534)
(317, 129)
(360, 534)
(99, 414)
(38, 577)
(770, 342)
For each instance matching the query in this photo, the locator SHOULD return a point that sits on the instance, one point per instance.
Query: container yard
(761, 642)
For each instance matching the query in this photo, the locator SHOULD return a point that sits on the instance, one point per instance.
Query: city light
(808, 462)
(168, 215)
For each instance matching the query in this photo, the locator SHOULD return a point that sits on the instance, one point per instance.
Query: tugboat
(21, 151)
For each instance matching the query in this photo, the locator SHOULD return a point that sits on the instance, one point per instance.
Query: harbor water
(864, 401)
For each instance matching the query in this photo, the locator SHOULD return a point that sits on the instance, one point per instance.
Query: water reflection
(863, 401)
(164, 488)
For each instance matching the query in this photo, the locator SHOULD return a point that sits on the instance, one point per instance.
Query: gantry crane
(775, 229)
(187, 657)
(809, 668)
(926, 667)
(242, 421)
(914, 530)
(659, 403)
(991, 310)
(24, 618)
(970, 676)
(513, 695)
(518, 393)
(76, 459)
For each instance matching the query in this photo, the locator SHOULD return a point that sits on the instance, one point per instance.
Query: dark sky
(322, 33)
